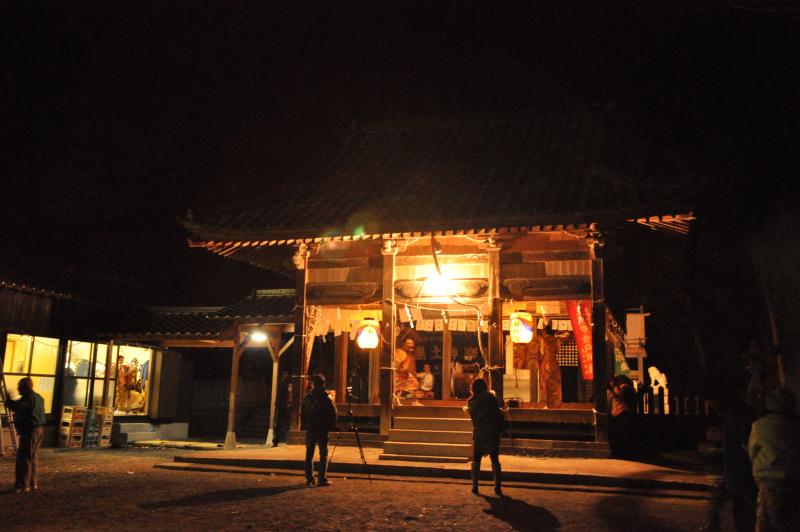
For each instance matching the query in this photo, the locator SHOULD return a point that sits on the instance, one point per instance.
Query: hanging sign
(580, 314)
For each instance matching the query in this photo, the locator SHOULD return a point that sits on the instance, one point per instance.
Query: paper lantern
(367, 334)
(521, 325)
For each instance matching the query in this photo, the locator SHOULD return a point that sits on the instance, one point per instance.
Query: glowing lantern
(521, 325)
(367, 334)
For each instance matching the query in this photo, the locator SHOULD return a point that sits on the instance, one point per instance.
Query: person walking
(487, 425)
(774, 449)
(29, 419)
(319, 417)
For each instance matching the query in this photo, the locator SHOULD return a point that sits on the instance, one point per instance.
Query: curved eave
(226, 242)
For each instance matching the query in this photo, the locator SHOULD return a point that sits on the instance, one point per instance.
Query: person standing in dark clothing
(622, 406)
(29, 419)
(319, 417)
(487, 425)
(281, 408)
(774, 449)
(738, 472)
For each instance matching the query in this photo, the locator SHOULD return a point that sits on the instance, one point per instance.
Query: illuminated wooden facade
(445, 228)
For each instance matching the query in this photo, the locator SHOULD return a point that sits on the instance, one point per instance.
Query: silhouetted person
(487, 425)
(281, 408)
(622, 405)
(774, 447)
(738, 471)
(29, 419)
(319, 417)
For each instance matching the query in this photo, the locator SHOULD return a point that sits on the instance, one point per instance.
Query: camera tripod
(351, 425)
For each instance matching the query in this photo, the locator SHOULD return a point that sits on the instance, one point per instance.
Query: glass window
(133, 369)
(18, 348)
(100, 361)
(35, 357)
(45, 356)
(75, 391)
(45, 386)
(79, 359)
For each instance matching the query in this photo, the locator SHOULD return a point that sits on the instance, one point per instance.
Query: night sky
(122, 116)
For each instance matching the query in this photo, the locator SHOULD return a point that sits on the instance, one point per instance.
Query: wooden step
(432, 423)
(430, 436)
(430, 411)
(555, 448)
(421, 458)
(427, 449)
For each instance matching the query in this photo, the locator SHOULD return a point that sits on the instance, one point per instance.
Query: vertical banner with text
(580, 314)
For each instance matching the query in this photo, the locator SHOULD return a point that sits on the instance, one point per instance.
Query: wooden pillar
(276, 350)
(496, 344)
(340, 366)
(375, 375)
(600, 357)
(447, 362)
(272, 348)
(388, 333)
(297, 365)
(233, 393)
(107, 376)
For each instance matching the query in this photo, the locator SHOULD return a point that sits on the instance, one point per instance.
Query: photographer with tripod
(319, 417)
(351, 426)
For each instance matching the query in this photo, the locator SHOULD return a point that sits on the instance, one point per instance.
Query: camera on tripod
(348, 393)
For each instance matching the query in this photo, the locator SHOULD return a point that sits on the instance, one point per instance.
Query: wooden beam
(297, 365)
(107, 375)
(233, 394)
(447, 363)
(388, 333)
(276, 359)
(193, 343)
(599, 348)
(496, 344)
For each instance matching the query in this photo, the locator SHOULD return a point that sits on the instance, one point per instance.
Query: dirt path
(121, 490)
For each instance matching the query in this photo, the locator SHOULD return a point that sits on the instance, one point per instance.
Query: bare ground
(120, 489)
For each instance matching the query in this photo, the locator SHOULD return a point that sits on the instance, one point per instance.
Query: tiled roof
(21, 287)
(473, 173)
(276, 305)
(266, 306)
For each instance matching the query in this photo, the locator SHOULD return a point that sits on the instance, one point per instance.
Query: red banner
(580, 314)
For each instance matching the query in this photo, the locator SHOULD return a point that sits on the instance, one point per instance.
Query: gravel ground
(120, 489)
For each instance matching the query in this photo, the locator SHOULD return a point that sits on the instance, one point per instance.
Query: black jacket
(318, 412)
(28, 412)
(487, 419)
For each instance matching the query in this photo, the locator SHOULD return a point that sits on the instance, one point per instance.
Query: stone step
(427, 449)
(123, 438)
(348, 439)
(133, 427)
(553, 444)
(430, 436)
(555, 448)
(421, 458)
(432, 423)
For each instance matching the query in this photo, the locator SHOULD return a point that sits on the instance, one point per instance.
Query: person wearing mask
(774, 449)
(487, 425)
(29, 419)
(319, 417)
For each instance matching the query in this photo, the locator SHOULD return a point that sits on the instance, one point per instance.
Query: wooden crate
(70, 440)
(72, 414)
